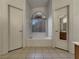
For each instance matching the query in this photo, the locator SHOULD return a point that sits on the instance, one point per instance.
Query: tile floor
(38, 53)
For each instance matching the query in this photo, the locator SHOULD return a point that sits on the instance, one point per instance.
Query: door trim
(68, 7)
(9, 6)
(61, 7)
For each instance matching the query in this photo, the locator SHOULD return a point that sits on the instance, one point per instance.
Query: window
(38, 22)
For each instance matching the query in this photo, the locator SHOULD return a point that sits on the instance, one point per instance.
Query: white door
(61, 28)
(15, 28)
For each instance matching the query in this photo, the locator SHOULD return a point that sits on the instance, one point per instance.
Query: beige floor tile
(29, 57)
(39, 57)
(38, 53)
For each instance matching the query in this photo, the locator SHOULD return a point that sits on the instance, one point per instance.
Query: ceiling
(38, 3)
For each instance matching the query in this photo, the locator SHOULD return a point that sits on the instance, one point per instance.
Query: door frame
(68, 8)
(9, 6)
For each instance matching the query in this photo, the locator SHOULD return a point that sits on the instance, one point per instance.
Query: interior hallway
(38, 53)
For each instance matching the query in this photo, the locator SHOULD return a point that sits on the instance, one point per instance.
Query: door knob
(21, 31)
(56, 31)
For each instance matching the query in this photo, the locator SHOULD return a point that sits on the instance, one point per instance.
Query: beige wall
(0, 29)
(26, 22)
(76, 20)
(50, 20)
(3, 27)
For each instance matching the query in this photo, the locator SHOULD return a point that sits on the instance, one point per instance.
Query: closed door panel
(15, 28)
